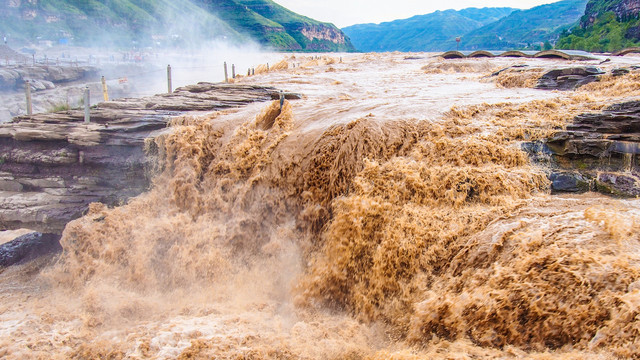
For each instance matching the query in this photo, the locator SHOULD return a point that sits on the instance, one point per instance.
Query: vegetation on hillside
(487, 29)
(524, 29)
(163, 23)
(431, 32)
(603, 30)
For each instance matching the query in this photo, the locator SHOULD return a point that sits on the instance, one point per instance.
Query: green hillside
(431, 32)
(526, 28)
(607, 26)
(166, 23)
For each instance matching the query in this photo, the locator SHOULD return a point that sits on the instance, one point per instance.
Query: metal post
(27, 90)
(87, 116)
(226, 76)
(281, 100)
(105, 93)
(169, 87)
(253, 71)
(233, 71)
(249, 72)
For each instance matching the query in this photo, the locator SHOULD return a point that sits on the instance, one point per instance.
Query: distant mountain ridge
(429, 32)
(524, 29)
(167, 22)
(487, 28)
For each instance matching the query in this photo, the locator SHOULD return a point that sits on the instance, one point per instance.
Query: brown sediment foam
(204, 194)
(518, 78)
(436, 235)
(459, 66)
(265, 68)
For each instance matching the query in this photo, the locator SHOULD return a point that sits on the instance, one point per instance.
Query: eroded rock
(569, 78)
(28, 247)
(599, 152)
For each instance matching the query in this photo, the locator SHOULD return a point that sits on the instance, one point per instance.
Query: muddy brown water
(390, 214)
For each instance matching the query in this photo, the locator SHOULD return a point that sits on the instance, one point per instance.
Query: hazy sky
(348, 12)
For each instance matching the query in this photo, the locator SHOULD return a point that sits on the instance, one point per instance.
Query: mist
(134, 60)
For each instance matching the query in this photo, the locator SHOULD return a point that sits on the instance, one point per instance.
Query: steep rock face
(53, 165)
(599, 152)
(323, 33)
(307, 34)
(622, 8)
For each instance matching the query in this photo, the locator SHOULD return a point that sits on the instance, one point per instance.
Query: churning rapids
(389, 214)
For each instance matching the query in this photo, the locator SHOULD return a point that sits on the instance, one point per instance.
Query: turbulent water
(389, 214)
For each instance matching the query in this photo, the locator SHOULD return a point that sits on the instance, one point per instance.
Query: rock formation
(53, 165)
(568, 78)
(28, 247)
(43, 77)
(599, 152)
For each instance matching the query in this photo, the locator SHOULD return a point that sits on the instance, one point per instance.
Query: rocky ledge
(28, 247)
(42, 77)
(598, 152)
(569, 78)
(53, 165)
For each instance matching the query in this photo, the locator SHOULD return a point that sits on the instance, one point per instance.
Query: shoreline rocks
(598, 152)
(28, 247)
(53, 165)
(568, 78)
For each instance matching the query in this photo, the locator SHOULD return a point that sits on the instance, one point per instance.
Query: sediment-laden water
(390, 213)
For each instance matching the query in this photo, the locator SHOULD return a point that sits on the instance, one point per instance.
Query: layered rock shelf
(42, 77)
(598, 152)
(569, 78)
(53, 165)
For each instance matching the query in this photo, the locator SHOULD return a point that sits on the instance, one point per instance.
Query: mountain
(524, 28)
(166, 22)
(431, 32)
(607, 25)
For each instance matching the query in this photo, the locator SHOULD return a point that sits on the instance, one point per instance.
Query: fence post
(105, 93)
(281, 100)
(169, 87)
(27, 91)
(87, 116)
(226, 76)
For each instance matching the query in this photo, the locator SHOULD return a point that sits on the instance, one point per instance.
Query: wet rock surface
(53, 165)
(568, 78)
(598, 152)
(28, 247)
